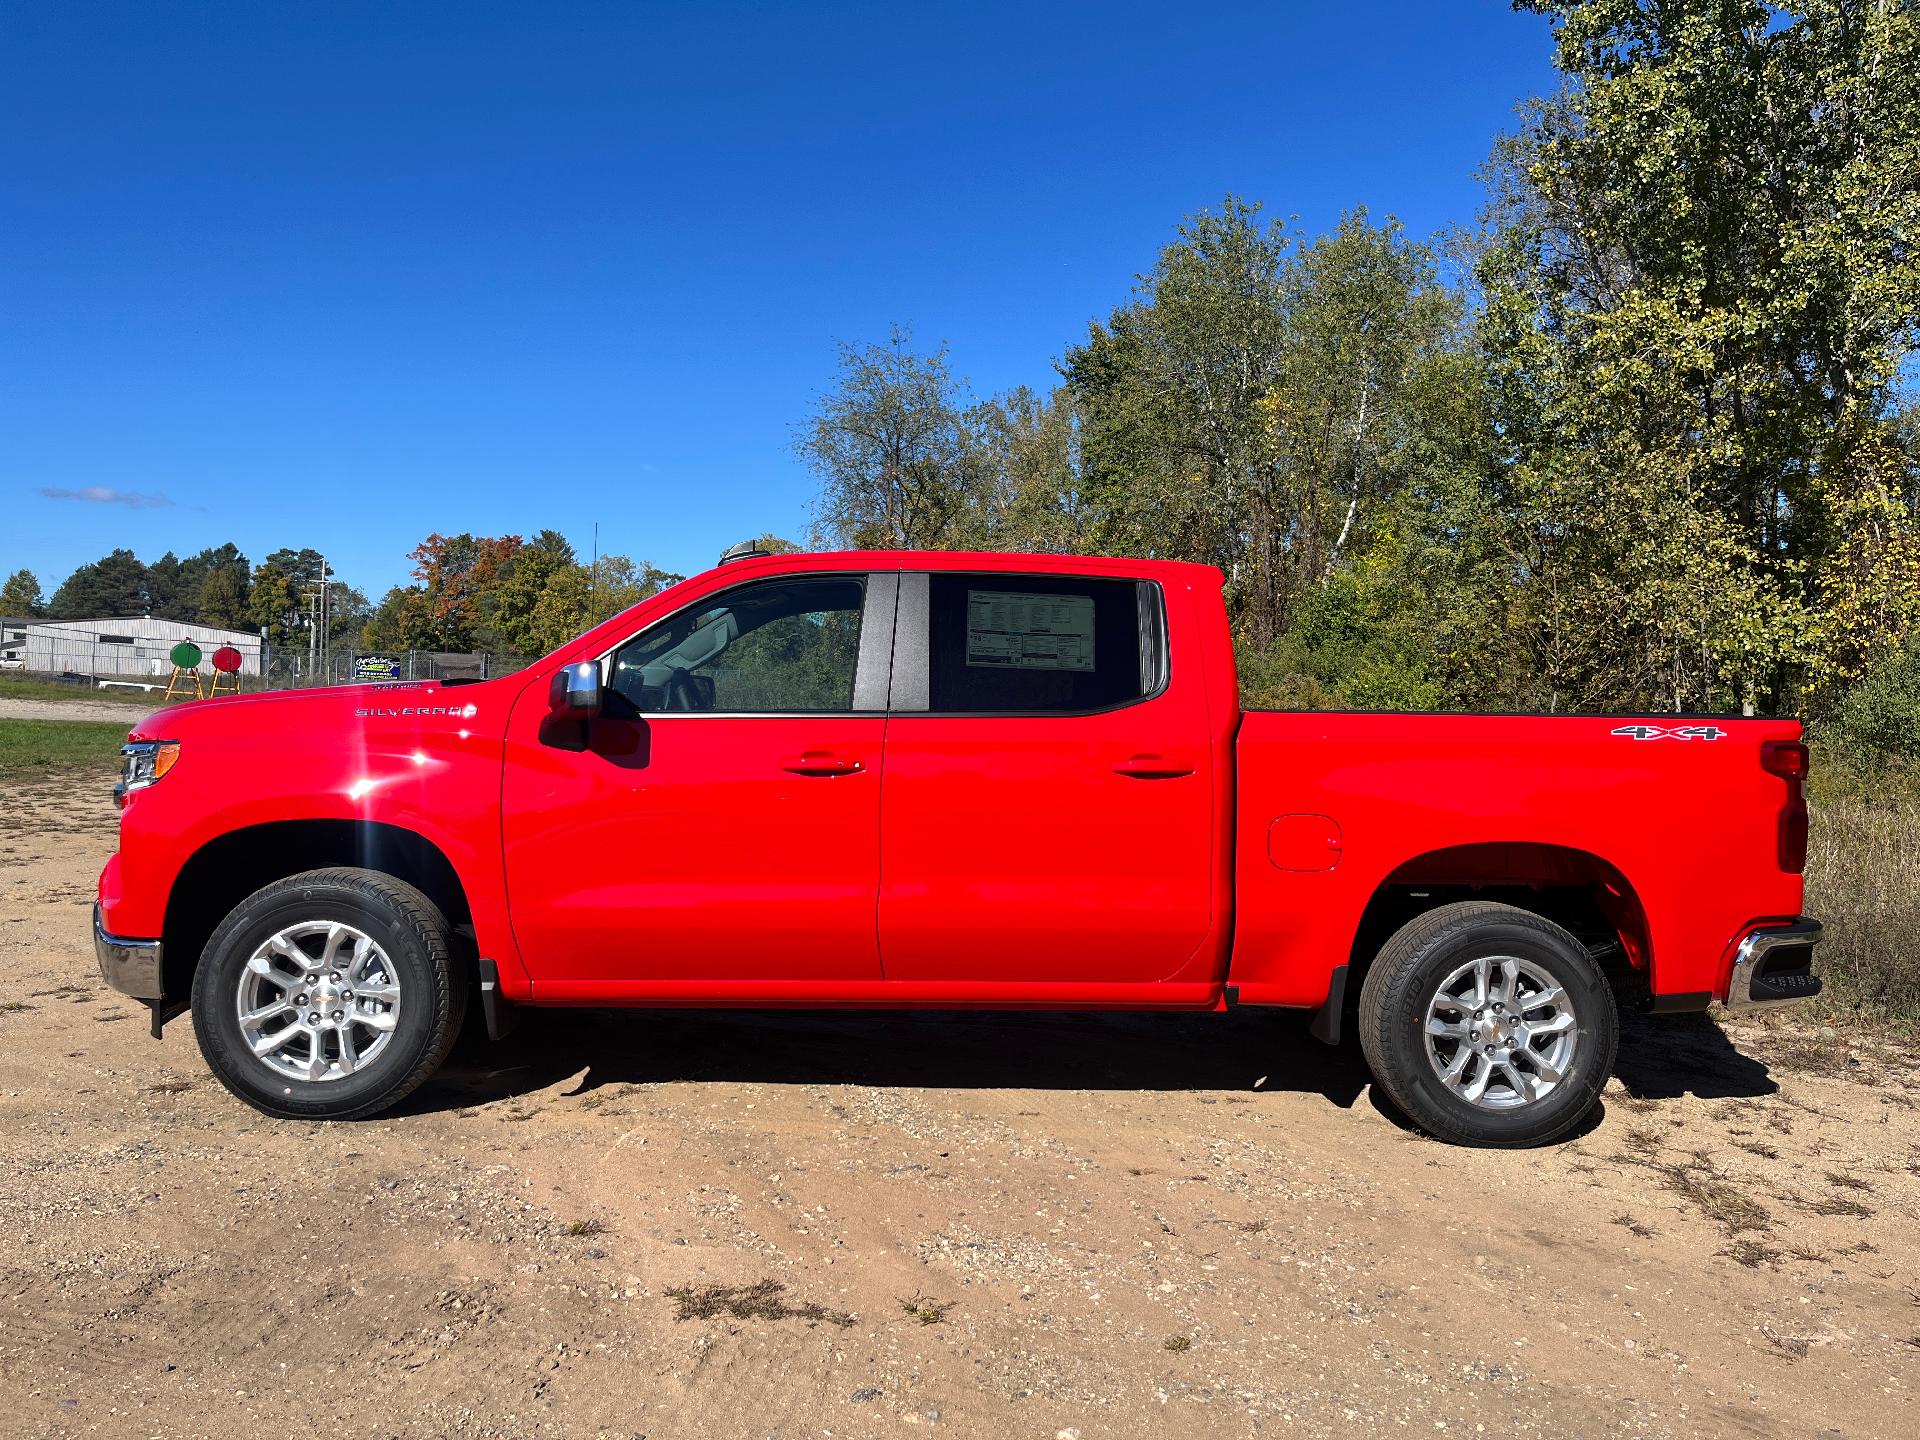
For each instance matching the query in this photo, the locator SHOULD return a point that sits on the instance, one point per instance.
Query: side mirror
(575, 691)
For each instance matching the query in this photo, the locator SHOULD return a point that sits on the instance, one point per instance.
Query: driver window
(774, 646)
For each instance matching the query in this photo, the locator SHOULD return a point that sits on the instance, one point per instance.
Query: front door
(719, 822)
(1047, 810)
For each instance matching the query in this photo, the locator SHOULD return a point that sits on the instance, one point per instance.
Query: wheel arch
(1577, 889)
(230, 867)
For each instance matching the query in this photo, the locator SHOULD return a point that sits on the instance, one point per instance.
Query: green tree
(1171, 395)
(1277, 408)
(401, 621)
(1700, 287)
(168, 598)
(279, 597)
(112, 587)
(894, 448)
(582, 596)
(228, 596)
(20, 597)
(528, 580)
(1026, 488)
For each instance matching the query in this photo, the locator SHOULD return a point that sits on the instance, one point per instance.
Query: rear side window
(1042, 644)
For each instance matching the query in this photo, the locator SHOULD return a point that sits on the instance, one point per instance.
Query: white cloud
(106, 495)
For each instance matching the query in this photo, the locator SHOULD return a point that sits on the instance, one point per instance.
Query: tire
(344, 1053)
(1522, 961)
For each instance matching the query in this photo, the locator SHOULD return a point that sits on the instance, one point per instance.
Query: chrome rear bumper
(1774, 966)
(130, 966)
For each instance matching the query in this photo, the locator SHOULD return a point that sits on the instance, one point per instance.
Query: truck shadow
(1666, 1056)
(969, 1050)
(1660, 1058)
(1245, 1051)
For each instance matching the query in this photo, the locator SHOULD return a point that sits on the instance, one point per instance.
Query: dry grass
(762, 1300)
(1751, 1253)
(1863, 884)
(1727, 1206)
(1840, 1205)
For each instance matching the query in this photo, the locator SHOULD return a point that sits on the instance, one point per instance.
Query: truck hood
(338, 711)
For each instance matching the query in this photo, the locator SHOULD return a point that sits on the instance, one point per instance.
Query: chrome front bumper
(130, 966)
(1774, 966)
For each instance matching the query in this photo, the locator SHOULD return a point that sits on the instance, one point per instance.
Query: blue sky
(341, 274)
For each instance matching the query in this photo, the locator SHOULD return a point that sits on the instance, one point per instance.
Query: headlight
(142, 762)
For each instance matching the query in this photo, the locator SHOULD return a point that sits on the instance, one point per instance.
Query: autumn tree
(459, 577)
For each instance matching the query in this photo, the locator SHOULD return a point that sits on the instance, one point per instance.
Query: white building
(131, 649)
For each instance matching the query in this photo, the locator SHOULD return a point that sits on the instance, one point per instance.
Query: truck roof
(1182, 571)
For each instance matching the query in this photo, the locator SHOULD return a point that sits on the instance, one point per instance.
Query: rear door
(1046, 808)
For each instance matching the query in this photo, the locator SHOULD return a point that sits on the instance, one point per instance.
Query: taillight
(1786, 758)
(1789, 760)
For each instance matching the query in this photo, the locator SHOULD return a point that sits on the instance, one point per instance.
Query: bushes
(1879, 719)
(1863, 884)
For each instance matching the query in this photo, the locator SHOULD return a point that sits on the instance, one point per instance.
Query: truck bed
(1344, 818)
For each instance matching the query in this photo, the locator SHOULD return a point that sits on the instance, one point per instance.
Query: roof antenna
(745, 550)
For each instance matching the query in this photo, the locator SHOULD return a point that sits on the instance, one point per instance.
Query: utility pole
(326, 615)
(319, 616)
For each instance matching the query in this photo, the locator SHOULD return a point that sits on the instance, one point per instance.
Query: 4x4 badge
(1671, 732)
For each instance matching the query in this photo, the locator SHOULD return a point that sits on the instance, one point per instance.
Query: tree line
(1638, 440)
(216, 587)
(501, 594)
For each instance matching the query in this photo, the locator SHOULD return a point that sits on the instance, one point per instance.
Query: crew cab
(896, 779)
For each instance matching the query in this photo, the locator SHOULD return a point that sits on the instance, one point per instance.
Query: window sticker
(1010, 630)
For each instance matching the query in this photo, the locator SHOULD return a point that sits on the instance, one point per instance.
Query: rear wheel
(1488, 1025)
(328, 996)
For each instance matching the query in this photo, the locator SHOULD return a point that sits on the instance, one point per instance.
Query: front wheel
(329, 995)
(1488, 1025)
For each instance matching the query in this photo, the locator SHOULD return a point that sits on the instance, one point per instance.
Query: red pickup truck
(897, 779)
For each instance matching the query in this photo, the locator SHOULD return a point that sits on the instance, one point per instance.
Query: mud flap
(1326, 1020)
(501, 1014)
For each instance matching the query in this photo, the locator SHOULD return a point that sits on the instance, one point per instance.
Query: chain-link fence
(132, 654)
(288, 669)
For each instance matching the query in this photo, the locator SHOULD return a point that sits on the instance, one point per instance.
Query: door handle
(1151, 767)
(821, 762)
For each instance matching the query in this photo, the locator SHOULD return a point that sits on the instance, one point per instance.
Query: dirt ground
(20, 707)
(741, 1225)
